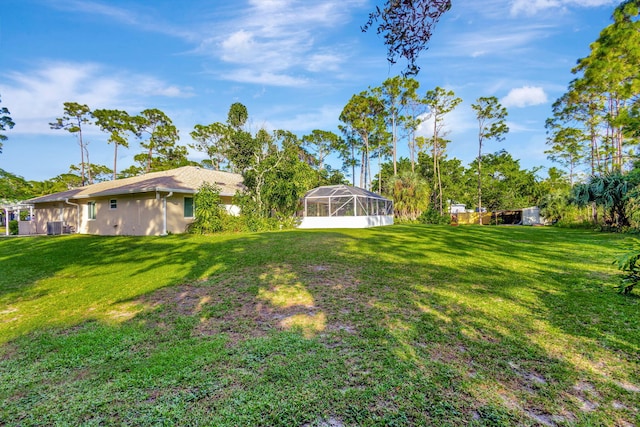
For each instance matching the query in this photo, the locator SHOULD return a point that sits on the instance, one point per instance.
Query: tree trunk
(412, 150)
(353, 165)
(88, 165)
(149, 157)
(380, 171)
(395, 143)
(440, 188)
(115, 158)
(362, 169)
(480, 183)
(82, 175)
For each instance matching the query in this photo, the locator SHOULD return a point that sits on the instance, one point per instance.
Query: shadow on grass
(407, 325)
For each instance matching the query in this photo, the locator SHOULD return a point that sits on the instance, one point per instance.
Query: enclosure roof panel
(341, 191)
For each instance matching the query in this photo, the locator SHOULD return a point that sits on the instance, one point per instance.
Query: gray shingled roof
(186, 179)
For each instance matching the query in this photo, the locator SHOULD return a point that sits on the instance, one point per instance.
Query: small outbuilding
(344, 206)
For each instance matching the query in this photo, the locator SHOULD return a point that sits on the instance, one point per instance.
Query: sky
(293, 63)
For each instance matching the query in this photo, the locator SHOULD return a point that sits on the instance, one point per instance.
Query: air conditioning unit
(54, 227)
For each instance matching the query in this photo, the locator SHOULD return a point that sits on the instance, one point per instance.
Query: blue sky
(293, 63)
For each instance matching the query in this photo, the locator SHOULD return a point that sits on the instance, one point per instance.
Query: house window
(188, 207)
(113, 204)
(91, 210)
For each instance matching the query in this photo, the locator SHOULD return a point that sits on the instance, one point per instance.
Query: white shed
(531, 216)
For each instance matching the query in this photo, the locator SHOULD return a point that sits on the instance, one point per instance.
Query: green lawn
(402, 325)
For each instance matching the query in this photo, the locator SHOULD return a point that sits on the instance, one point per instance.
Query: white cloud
(36, 97)
(264, 78)
(524, 97)
(324, 62)
(280, 38)
(276, 37)
(322, 118)
(456, 123)
(142, 19)
(498, 40)
(531, 7)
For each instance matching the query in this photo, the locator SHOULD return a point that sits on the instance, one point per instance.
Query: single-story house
(156, 203)
(344, 206)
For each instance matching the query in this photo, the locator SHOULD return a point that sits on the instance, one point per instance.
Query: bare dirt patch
(529, 376)
(274, 297)
(328, 422)
(8, 351)
(628, 386)
(586, 395)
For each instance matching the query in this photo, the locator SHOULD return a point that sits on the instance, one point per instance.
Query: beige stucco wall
(134, 215)
(56, 211)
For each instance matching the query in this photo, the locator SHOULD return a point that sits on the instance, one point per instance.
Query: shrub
(432, 216)
(628, 263)
(14, 228)
(210, 215)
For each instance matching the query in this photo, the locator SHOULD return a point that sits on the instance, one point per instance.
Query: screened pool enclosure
(343, 206)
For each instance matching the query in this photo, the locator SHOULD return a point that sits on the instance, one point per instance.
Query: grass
(402, 325)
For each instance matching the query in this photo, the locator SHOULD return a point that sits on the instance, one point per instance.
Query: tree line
(594, 131)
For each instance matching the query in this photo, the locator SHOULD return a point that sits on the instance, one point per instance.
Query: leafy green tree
(5, 123)
(505, 185)
(363, 118)
(209, 213)
(14, 187)
(575, 112)
(440, 103)
(237, 116)
(600, 100)
(612, 71)
(259, 162)
(289, 178)
(99, 173)
(381, 149)
(321, 143)
(67, 181)
(555, 204)
(395, 93)
(407, 27)
(161, 138)
(276, 178)
(414, 117)
(346, 150)
(171, 157)
(566, 147)
(131, 171)
(329, 176)
(49, 186)
(117, 123)
(491, 116)
(456, 183)
(74, 117)
(556, 180)
(213, 140)
(631, 121)
(244, 150)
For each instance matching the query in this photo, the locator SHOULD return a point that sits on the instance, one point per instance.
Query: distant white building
(531, 216)
(455, 208)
